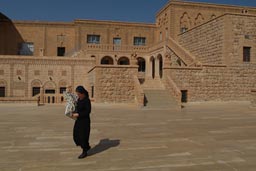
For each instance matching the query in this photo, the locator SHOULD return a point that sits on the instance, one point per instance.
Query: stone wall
(241, 32)
(205, 41)
(20, 74)
(212, 83)
(115, 84)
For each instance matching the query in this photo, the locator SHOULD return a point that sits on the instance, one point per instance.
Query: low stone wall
(216, 83)
(115, 84)
(253, 98)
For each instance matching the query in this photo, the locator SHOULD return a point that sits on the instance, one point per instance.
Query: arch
(50, 85)
(35, 87)
(3, 88)
(213, 16)
(185, 22)
(199, 19)
(152, 60)
(123, 61)
(107, 60)
(142, 64)
(36, 83)
(63, 83)
(160, 60)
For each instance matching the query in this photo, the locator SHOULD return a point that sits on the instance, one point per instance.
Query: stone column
(148, 68)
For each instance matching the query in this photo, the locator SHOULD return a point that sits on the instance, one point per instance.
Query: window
(161, 36)
(94, 39)
(184, 96)
(139, 41)
(92, 88)
(1, 72)
(61, 51)
(36, 72)
(27, 49)
(117, 41)
(107, 60)
(2, 91)
(246, 54)
(49, 91)
(183, 29)
(50, 73)
(123, 61)
(62, 89)
(35, 91)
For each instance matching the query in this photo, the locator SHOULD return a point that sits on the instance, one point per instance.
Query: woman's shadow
(103, 145)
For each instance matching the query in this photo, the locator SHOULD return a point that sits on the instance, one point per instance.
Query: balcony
(116, 48)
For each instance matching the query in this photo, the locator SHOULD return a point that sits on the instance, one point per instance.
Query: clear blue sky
(68, 10)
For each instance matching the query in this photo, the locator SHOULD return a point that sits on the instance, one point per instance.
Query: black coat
(82, 127)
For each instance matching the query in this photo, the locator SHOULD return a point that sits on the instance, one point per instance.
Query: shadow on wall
(103, 145)
(10, 38)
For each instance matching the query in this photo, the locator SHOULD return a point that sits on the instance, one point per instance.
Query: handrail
(173, 89)
(181, 52)
(115, 48)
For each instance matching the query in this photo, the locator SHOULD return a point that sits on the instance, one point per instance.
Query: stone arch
(50, 85)
(36, 83)
(63, 83)
(107, 60)
(185, 22)
(199, 19)
(213, 16)
(160, 64)
(153, 64)
(141, 62)
(3, 88)
(123, 61)
(35, 87)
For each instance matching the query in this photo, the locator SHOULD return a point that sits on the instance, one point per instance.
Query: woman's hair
(81, 89)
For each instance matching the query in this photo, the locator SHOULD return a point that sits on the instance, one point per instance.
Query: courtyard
(200, 137)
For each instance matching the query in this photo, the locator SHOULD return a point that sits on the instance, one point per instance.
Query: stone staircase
(159, 99)
(156, 95)
(153, 84)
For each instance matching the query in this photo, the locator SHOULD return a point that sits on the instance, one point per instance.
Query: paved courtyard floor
(201, 137)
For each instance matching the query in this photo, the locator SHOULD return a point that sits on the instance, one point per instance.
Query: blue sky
(67, 10)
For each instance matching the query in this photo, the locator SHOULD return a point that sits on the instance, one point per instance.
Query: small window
(247, 54)
(2, 91)
(183, 29)
(61, 51)
(92, 91)
(35, 91)
(93, 39)
(139, 41)
(161, 36)
(62, 89)
(26, 49)
(184, 96)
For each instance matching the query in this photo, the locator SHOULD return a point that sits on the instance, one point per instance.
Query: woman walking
(82, 127)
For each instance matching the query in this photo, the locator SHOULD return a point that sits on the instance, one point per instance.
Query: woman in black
(82, 125)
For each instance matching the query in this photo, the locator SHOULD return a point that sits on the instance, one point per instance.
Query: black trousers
(81, 133)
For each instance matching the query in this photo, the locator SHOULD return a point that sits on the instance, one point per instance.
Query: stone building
(194, 52)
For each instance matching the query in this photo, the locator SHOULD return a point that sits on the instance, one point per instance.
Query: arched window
(184, 23)
(107, 60)
(199, 19)
(142, 64)
(123, 61)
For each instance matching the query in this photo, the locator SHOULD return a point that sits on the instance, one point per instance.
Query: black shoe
(83, 155)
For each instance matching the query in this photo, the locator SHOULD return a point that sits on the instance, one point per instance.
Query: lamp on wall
(19, 78)
(50, 78)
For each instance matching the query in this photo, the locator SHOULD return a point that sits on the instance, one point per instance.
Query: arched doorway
(36, 86)
(160, 60)
(142, 64)
(107, 60)
(123, 61)
(153, 66)
(3, 88)
(50, 91)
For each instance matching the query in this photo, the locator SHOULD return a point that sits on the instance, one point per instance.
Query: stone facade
(206, 50)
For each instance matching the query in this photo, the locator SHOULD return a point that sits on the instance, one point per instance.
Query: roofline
(114, 22)
(204, 4)
(87, 21)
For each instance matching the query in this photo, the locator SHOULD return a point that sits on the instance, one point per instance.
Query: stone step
(159, 99)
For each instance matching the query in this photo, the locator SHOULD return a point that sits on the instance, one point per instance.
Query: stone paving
(201, 137)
